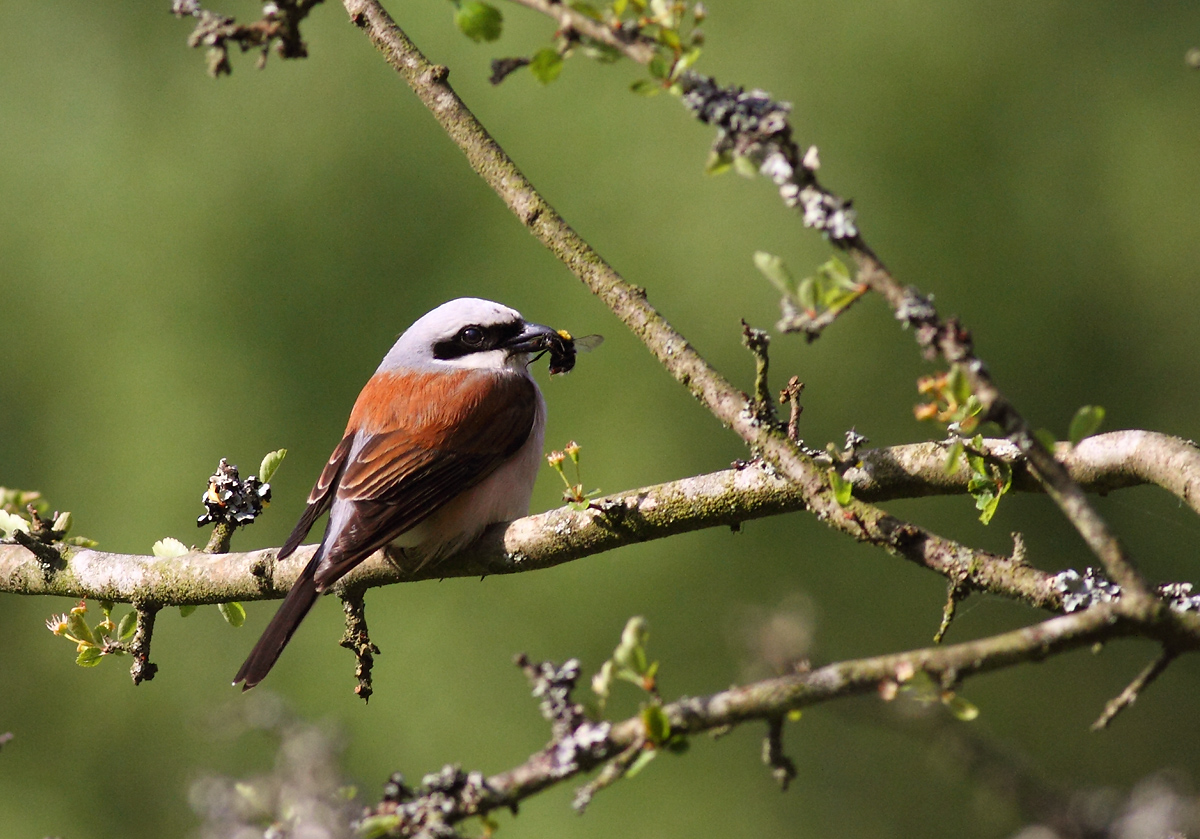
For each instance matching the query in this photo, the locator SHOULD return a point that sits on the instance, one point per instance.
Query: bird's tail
(281, 628)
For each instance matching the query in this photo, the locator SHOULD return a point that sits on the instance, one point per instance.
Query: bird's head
(470, 333)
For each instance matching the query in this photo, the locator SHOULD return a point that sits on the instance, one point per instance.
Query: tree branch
(730, 405)
(752, 126)
(588, 744)
(719, 499)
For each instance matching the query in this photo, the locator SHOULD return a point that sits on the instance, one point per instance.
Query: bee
(564, 349)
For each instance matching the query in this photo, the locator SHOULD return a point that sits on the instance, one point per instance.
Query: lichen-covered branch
(279, 25)
(628, 302)
(580, 744)
(719, 499)
(142, 669)
(761, 131)
(752, 126)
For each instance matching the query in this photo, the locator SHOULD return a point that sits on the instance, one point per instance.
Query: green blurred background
(192, 269)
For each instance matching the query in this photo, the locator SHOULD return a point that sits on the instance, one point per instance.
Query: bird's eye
(472, 336)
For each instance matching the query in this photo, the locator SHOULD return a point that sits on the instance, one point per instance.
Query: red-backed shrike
(445, 439)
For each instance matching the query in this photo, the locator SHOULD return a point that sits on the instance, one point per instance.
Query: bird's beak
(533, 338)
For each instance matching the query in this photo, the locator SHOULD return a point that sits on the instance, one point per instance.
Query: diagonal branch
(678, 357)
(752, 126)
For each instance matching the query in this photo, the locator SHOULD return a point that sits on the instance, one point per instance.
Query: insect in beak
(564, 347)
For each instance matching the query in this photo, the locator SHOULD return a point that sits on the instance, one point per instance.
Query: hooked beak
(533, 338)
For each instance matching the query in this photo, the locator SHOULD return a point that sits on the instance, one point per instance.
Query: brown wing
(416, 454)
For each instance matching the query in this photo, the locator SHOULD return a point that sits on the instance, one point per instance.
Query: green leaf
(602, 681)
(10, 522)
(587, 9)
(641, 762)
(169, 548)
(636, 632)
(646, 87)
(971, 408)
(63, 522)
(958, 386)
(687, 60)
(1086, 422)
(184, 611)
(619, 6)
(718, 163)
(81, 542)
(658, 67)
(658, 728)
(546, 65)
(806, 293)
(479, 21)
(745, 167)
(836, 272)
(953, 453)
(988, 483)
(376, 827)
(961, 708)
(670, 38)
(773, 268)
(127, 626)
(842, 489)
(988, 504)
(89, 657)
(77, 628)
(270, 462)
(233, 613)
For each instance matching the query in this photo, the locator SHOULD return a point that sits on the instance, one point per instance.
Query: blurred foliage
(193, 269)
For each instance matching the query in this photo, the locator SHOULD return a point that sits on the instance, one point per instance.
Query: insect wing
(587, 343)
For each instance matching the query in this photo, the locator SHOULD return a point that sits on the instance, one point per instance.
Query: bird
(445, 439)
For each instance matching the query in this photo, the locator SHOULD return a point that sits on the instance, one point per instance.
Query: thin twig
(1140, 682)
(791, 394)
(758, 342)
(954, 593)
(357, 639)
(783, 770)
(143, 669)
(613, 771)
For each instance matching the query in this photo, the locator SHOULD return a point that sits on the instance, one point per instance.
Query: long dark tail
(281, 628)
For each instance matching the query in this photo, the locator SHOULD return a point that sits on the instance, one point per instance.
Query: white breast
(502, 496)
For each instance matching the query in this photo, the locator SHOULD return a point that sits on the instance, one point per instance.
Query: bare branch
(143, 670)
(357, 639)
(632, 45)
(279, 25)
(1128, 696)
(765, 700)
(719, 499)
(752, 126)
(670, 348)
